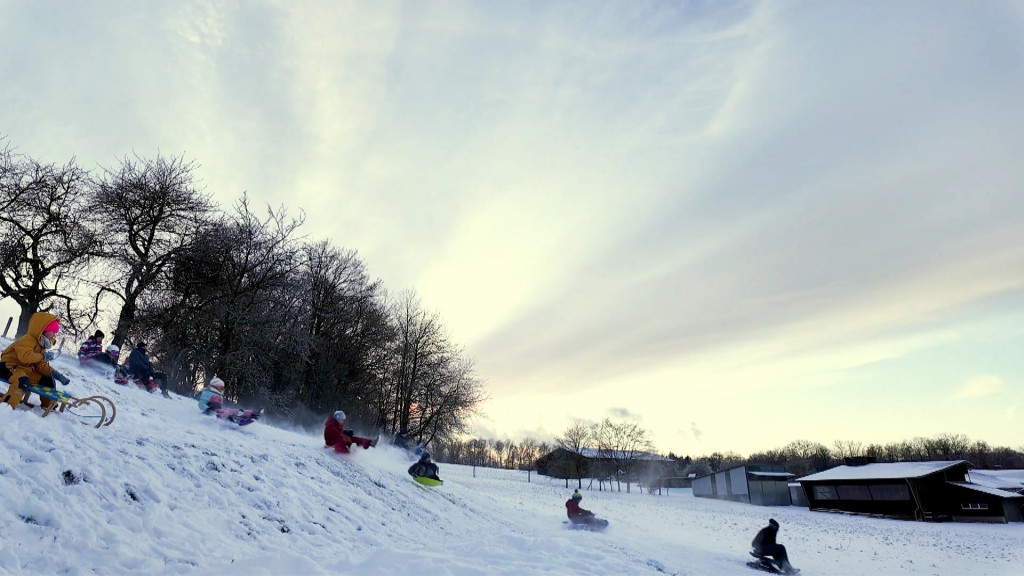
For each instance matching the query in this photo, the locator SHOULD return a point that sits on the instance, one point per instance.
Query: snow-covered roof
(595, 453)
(998, 478)
(987, 490)
(882, 471)
(772, 474)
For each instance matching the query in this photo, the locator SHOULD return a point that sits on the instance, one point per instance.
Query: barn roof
(1003, 479)
(779, 475)
(987, 490)
(597, 454)
(882, 471)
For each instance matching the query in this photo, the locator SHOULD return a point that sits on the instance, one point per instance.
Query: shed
(913, 490)
(763, 485)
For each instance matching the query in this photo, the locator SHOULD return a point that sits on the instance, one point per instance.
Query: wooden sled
(62, 401)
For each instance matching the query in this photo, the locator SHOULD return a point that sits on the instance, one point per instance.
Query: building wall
(884, 497)
(703, 487)
(770, 492)
(738, 481)
(796, 494)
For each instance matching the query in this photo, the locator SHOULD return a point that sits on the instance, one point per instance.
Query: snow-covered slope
(165, 490)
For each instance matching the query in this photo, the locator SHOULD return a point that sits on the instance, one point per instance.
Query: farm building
(593, 463)
(913, 490)
(752, 484)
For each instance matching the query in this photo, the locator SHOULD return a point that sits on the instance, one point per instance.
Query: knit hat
(339, 415)
(52, 327)
(773, 523)
(576, 495)
(425, 455)
(113, 349)
(216, 383)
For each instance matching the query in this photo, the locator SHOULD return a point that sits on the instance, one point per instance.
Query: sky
(165, 490)
(736, 224)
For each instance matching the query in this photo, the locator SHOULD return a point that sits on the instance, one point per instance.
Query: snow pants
(776, 551)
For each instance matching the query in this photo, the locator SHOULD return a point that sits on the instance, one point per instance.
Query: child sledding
(580, 518)
(211, 402)
(336, 436)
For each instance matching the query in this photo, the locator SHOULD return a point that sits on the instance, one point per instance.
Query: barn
(763, 485)
(934, 491)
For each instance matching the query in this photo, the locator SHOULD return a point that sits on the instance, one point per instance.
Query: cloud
(979, 386)
(695, 431)
(1011, 412)
(624, 414)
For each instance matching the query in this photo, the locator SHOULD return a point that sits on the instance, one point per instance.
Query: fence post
(8, 327)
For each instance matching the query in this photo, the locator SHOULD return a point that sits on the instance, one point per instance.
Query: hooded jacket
(24, 356)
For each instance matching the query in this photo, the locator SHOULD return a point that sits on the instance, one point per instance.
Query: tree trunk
(27, 310)
(125, 320)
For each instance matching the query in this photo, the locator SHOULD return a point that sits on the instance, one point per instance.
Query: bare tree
(623, 444)
(848, 449)
(152, 210)
(45, 239)
(574, 440)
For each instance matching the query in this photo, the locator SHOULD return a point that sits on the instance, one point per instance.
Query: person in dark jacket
(424, 467)
(140, 368)
(92, 349)
(335, 434)
(764, 545)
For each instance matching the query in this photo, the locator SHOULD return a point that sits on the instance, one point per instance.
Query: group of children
(26, 362)
(138, 369)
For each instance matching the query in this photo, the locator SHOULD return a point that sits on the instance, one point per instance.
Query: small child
(210, 399)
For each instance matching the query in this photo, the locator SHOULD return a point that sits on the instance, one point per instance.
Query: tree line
(623, 447)
(297, 325)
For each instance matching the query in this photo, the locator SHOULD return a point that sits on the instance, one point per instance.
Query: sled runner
(62, 401)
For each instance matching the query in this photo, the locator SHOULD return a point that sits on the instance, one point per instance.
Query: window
(825, 493)
(890, 492)
(853, 492)
(974, 506)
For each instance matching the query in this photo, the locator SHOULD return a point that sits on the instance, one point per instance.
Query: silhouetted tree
(46, 241)
(150, 210)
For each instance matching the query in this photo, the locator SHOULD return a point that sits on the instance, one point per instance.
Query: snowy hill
(165, 490)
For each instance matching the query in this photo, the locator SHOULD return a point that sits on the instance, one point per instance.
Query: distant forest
(140, 251)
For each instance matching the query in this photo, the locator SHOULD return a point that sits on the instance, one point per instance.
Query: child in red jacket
(336, 435)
